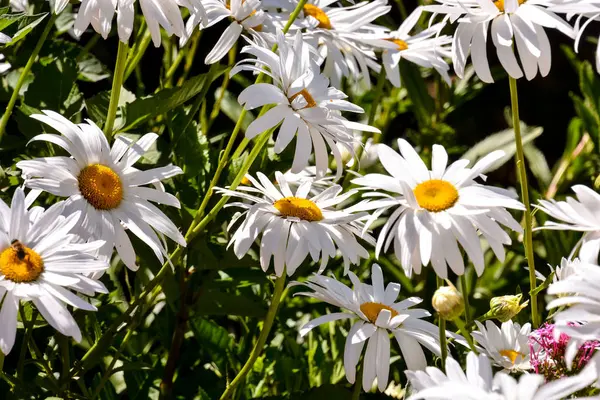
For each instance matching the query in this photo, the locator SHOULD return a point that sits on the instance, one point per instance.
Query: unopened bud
(448, 302)
(504, 308)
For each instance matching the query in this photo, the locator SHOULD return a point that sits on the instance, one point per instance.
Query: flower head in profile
(580, 320)
(163, 13)
(245, 15)
(426, 49)
(479, 382)
(304, 103)
(577, 214)
(566, 268)
(42, 262)
(517, 23)
(433, 211)
(378, 315)
(507, 347)
(102, 184)
(505, 308)
(342, 35)
(548, 349)
(295, 224)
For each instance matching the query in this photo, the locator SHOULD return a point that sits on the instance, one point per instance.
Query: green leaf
(544, 285)
(52, 84)
(211, 335)
(536, 161)
(191, 145)
(423, 104)
(143, 109)
(503, 140)
(26, 25)
(231, 108)
(215, 302)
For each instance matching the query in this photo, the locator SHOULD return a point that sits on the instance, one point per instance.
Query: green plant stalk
(465, 332)
(115, 92)
(226, 79)
(1, 361)
(262, 338)
(465, 295)
(357, 383)
(26, 69)
(138, 52)
(442, 331)
(528, 236)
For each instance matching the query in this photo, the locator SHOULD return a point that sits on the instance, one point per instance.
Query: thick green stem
(442, 331)
(465, 295)
(357, 384)
(24, 73)
(262, 338)
(528, 236)
(115, 92)
(465, 332)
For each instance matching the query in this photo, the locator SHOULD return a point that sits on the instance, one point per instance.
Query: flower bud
(448, 302)
(504, 308)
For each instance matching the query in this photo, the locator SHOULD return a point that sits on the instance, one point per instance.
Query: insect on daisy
(294, 225)
(42, 262)
(581, 214)
(507, 347)
(427, 48)
(304, 103)
(480, 383)
(378, 315)
(438, 209)
(104, 186)
(521, 20)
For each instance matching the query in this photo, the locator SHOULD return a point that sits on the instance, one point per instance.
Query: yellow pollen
(436, 195)
(20, 264)
(511, 355)
(500, 4)
(318, 14)
(309, 99)
(101, 186)
(372, 310)
(245, 181)
(299, 208)
(402, 45)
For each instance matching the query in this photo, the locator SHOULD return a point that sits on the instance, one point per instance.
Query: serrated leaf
(141, 110)
(211, 335)
(26, 25)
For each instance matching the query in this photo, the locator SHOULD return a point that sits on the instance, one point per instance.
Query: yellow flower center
(436, 195)
(511, 355)
(101, 186)
(19, 263)
(309, 99)
(245, 181)
(500, 4)
(299, 208)
(402, 45)
(318, 14)
(372, 310)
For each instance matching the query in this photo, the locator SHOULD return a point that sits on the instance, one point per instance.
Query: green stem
(357, 383)
(28, 325)
(138, 53)
(24, 73)
(465, 332)
(528, 236)
(465, 294)
(442, 331)
(1, 361)
(262, 338)
(217, 106)
(115, 92)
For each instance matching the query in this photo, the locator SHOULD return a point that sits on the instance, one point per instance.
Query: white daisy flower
(19, 5)
(379, 315)
(102, 183)
(42, 262)
(438, 209)
(100, 13)
(244, 15)
(426, 49)
(523, 20)
(368, 157)
(309, 174)
(342, 35)
(294, 225)
(305, 105)
(4, 65)
(581, 214)
(479, 383)
(580, 294)
(507, 347)
(587, 9)
(566, 268)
